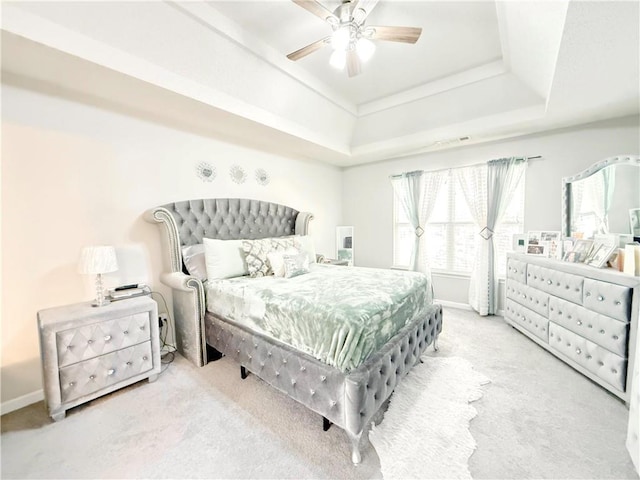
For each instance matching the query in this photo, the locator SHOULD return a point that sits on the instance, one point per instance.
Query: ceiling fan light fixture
(341, 38)
(365, 49)
(338, 59)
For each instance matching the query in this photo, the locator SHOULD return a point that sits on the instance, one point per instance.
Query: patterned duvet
(339, 315)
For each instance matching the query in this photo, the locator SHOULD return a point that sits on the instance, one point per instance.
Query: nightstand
(90, 351)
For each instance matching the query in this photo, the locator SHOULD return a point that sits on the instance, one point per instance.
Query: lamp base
(98, 303)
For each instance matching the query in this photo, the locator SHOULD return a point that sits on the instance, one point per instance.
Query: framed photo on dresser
(601, 255)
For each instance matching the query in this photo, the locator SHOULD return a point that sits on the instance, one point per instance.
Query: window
(450, 233)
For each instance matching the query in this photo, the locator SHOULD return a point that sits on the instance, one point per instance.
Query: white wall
(368, 197)
(76, 175)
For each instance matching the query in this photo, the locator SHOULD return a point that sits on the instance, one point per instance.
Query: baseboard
(20, 402)
(447, 303)
(462, 306)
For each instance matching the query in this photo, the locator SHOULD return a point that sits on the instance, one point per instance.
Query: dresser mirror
(604, 198)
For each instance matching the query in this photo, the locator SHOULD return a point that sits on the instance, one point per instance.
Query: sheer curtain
(416, 192)
(473, 182)
(503, 177)
(488, 189)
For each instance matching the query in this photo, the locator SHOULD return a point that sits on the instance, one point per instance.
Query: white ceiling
(481, 69)
(456, 36)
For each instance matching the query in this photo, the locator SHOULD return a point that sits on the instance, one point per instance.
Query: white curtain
(416, 192)
(503, 177)
(431, 183)
(488, 189)
(473, 182)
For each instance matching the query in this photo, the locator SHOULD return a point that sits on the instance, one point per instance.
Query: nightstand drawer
(90, 341)
(97, 373)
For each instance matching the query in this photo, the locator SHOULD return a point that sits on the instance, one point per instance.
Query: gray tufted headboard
(190, 221)
(187, 223)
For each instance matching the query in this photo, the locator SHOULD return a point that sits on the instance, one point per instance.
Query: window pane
(503, 240)
(436, 244)
(463, 246)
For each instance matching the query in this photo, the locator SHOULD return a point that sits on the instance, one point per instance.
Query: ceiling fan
(351, 39)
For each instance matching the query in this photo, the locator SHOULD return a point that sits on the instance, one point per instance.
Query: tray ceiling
(481, 69)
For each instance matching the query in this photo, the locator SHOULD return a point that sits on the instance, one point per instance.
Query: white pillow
(224, 259)
(276, 260)
(193, 258)
(305, 244)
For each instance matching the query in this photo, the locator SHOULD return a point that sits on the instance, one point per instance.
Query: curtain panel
(488, 190)
(416, 193)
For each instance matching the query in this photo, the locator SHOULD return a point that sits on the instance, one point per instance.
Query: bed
(346, 393)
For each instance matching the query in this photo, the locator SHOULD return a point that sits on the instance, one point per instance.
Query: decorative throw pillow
(295, 265)
(256, 252)
(276, 260)
(224, 259)
(305, 244)
(194, 259)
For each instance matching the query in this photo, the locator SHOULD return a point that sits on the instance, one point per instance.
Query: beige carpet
(538, 419)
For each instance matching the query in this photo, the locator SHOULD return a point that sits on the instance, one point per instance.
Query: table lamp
(97, 260)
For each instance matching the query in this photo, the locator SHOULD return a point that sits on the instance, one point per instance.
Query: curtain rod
(449, 168)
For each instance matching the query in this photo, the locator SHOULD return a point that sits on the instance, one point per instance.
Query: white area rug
(425, 432)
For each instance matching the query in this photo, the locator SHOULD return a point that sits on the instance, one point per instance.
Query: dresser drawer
(95, 374)
(516, 270)
(599, 361)
(607, 298)
(557, 283)
(600, 329)
(527, 319)
(89, 341)
(529, 297)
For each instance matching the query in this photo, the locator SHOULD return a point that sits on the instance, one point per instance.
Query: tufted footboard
(349, 400)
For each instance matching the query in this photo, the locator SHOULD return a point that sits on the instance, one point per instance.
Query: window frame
(449, 227)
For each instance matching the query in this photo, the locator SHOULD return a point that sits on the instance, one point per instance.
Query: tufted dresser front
(587, 317)
(90, 351)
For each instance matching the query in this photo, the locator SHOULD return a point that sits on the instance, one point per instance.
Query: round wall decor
(206, 171)
(262, 177)
(237, 173)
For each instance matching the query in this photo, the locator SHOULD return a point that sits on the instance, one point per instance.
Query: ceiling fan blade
(362, 9)
(353, 63)
(395, 34)
(312, 47)
(318, 10)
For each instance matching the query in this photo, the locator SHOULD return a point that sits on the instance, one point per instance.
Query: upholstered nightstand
(91, 351)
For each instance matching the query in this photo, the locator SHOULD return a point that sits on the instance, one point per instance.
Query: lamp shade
(98, 259)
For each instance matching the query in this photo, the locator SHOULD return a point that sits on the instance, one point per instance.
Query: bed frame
(348, 400)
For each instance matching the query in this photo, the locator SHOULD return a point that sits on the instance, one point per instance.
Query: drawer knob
(126, 332)
(549, 282)
(129, 364)
(107, 338)
(111, 371)
(579, 322)
(92, 377)
(90, 342)
(71, 384)
(144, 358)
(600, 298)
(578, 351)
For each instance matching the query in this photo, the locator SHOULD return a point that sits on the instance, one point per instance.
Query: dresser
(90, 351)
(587, 317)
